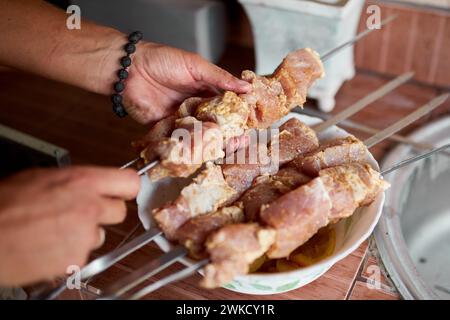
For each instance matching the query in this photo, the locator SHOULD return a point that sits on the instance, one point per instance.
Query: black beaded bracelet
(125, 62)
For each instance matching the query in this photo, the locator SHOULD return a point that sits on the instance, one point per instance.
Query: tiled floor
(83, 123)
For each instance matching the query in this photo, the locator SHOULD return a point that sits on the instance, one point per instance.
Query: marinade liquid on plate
(319, 247)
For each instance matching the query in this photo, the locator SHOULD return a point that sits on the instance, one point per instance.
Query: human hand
(161, 77)
(52, 218)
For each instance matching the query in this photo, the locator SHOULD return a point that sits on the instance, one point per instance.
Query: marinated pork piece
(194, 232)
(266, 189)
(230, 112)
(330, 154)
(163, 129)
(232, 249)
(270, 99)
(358, 180)
(296, 216)
(189, 106)
(295, 138)
(240, 176)
(206, 193)
(182, 157)
(297, 73)
(266, 102)
(335, 194)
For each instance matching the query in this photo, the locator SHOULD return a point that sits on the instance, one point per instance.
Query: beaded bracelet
(125, 62)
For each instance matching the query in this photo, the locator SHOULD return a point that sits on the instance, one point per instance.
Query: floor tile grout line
(358, 272)
(383, 287)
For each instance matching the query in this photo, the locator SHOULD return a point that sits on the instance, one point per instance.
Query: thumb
(207, 72)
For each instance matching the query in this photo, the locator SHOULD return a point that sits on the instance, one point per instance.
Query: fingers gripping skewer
(172, 256)
(324, 57)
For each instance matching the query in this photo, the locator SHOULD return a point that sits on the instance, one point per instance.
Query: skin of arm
(34, 38)
(49, 218)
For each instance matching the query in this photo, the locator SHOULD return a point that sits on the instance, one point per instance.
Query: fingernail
(244, 85)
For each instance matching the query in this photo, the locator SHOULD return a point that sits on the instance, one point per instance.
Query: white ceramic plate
(350, 232)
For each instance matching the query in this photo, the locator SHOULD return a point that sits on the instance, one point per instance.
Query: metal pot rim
(388, 233)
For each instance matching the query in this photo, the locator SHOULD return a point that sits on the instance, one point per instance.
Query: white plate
(350, 232)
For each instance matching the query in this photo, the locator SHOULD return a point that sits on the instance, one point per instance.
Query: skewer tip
(409, 74)
(129, 164)
(444, 96)
(389, 19)
(147, 167)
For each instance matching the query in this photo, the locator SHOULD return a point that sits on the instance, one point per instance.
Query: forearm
(34, 38)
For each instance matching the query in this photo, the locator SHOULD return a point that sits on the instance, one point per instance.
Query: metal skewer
(174, 277)
(170, 257)
(130, 163)
(324, 57)
(418, 146)
(147, 167)
(359, 36)
(406, 162)
(102, 263)
(363, 128)
(425, 109)
(373, 96)
(155, 266)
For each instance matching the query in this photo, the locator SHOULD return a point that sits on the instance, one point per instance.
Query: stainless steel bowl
(413, 235)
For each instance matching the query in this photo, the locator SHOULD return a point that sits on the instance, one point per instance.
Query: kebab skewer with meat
(231, 115)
